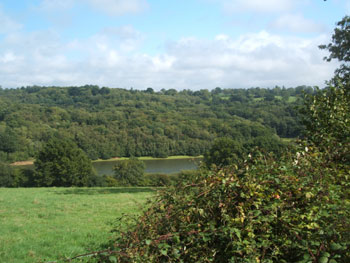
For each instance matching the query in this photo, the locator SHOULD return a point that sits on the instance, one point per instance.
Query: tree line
(106, 122)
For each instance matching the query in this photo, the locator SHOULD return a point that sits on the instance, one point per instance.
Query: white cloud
(110, 7)
(54, 5)
(259, 6)
(259, 59)
(127, 37)
(252, 60)
(119, 7)
(297, 23)
(7, 57)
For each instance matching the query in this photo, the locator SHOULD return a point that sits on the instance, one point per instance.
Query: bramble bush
(264, 210)
(327, 118)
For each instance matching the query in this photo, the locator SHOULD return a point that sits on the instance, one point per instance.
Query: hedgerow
(293, 210)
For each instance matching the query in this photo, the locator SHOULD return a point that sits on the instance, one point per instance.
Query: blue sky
(193, 44)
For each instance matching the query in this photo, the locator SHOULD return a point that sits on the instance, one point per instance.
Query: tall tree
(326, 114)
(339, 49)
(62, 163)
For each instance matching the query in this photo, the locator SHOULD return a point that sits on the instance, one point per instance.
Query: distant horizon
(197, 44)
(155, 90)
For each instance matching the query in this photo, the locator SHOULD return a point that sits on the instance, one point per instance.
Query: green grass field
(48, 224)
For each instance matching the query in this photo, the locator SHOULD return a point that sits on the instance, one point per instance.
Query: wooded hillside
(107, 122)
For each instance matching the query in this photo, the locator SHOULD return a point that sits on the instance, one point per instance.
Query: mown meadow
(52, 224)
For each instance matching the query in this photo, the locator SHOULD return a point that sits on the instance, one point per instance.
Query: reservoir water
(165, 166)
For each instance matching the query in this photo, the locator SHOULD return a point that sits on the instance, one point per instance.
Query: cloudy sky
(181, 44)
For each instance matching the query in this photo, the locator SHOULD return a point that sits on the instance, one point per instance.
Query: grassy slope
(46, 224)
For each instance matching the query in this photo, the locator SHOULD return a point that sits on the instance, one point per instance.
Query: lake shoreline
(142, 158)
(148, 158)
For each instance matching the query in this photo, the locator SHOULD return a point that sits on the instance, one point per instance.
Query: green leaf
(112, 259)
(237, 232)
(323, 260)
(308, 195)
(335, 246)
(326, 254)
(306, 256)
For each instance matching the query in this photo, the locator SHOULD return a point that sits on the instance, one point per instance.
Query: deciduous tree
(61, 163)
(224, 152)
(339, 49)
(129, 172)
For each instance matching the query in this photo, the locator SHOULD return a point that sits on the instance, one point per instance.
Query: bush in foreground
(293, 210)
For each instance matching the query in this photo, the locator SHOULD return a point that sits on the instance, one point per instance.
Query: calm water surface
(153, 166)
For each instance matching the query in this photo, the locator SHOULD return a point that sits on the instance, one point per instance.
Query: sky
(167, 44)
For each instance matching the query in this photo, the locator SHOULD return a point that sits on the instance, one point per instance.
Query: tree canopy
(224, 152)
(107, 123)
(61, 163)
(339, 49)
(129, 172)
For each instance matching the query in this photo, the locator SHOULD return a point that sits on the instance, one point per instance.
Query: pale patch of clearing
(22, 163)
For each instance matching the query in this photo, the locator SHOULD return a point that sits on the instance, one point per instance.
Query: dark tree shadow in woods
(100, 191)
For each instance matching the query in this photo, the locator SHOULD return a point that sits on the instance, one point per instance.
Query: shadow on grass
(106, 190)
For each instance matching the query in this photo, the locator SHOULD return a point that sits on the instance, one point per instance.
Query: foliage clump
(61, 163)
(14, 177)
(339, 50)
(223, 152)
(129, 172)
(7, 178)
(264, 210)
(327, 119)
(157, 179)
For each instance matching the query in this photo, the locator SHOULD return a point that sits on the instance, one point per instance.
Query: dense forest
(106, 122)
